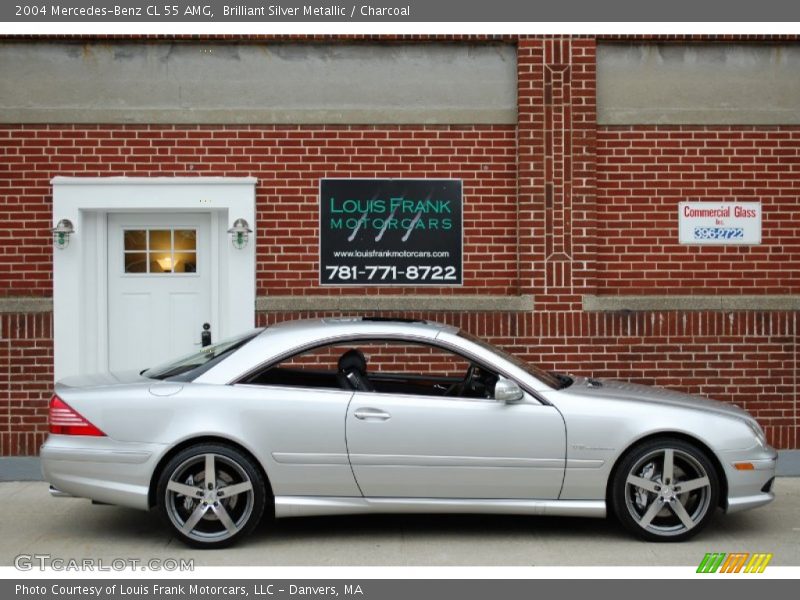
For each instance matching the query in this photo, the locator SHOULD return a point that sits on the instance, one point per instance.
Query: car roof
(372, 324)
(302, 332)
(287, 337)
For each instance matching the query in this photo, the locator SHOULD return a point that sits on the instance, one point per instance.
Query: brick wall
(642, 174)
(26, 381)
(288, 162)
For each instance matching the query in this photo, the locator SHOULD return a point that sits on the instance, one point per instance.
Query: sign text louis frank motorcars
(719, 222)
(390, 232)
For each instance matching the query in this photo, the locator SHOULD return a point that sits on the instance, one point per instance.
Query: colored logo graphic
(736, 562)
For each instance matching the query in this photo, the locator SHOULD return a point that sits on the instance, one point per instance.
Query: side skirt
(309, 506)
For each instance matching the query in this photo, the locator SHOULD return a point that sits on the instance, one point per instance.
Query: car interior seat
(353, 371)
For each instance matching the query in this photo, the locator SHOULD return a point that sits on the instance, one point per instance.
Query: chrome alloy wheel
(668, 492)
(209, 497)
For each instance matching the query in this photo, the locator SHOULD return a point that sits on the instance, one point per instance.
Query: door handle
(371, 413)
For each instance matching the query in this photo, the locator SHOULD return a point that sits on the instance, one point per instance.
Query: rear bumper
(751, 488)
(100, 469)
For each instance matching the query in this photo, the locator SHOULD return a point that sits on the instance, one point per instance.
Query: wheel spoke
(679, 510)
(641, 482)
(651, 512)
(225, 518)
(194, 518)
(182, 488)
(667, 474)
(211, 474)
(237, 488)
(693, 484)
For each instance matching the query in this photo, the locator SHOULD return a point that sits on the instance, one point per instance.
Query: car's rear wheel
(665, 490)
(211, 495)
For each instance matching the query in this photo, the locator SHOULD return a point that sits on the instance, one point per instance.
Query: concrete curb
(20, 468)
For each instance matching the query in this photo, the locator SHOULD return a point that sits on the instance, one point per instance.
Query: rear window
(189, 367)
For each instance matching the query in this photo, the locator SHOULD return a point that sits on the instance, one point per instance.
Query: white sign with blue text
(719, 223)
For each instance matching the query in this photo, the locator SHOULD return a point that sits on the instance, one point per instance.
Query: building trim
(285, 116)
(592, 303)
(405, 303)
(25, 305)
(196, 180)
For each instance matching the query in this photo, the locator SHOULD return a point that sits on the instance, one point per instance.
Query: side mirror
(507, 391)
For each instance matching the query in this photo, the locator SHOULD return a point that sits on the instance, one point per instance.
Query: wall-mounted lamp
(240, 233)
(61, 233)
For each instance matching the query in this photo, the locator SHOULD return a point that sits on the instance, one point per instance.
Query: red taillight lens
(65, 421)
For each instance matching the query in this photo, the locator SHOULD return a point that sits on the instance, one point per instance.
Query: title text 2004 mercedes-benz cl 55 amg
(360, 415)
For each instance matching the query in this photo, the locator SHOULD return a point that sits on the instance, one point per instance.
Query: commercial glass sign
(391, 232)
(719, 222)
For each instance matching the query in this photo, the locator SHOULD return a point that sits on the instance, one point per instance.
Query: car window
(403, 358)
(390, 366)
(554, 380)
(191, 366)
(314, 368)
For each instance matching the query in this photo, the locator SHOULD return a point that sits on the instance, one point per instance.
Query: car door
(294, 412)
(436, 446)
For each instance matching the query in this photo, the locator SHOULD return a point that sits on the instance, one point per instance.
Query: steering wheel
(465, 385)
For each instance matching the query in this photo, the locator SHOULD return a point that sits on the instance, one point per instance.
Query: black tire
(665, 509)
(206, 516)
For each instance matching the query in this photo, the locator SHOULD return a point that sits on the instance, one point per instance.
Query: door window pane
(136, 262)
(135, 239)
(185, 239)
(160, 239)
(160, 262)
(160, 251)
(185, 262)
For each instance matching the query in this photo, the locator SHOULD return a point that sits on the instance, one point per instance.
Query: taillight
(66, 421)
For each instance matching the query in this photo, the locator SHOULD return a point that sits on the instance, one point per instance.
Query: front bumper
(100, 468)
(750, 488)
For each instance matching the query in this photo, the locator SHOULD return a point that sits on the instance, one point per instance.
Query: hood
(102, 379)
(618, 390)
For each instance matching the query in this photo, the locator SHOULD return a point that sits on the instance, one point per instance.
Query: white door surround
(80, 271)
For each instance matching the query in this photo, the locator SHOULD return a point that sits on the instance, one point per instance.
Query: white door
(159, 287)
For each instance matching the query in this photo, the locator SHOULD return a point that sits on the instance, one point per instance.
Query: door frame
(80, 271)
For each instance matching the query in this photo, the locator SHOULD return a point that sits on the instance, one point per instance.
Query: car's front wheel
(665, 490)
(211, 495)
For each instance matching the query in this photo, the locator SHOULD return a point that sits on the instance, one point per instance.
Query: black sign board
(390, 232)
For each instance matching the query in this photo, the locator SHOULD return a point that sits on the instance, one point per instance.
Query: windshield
(193, 365)
(552, 379)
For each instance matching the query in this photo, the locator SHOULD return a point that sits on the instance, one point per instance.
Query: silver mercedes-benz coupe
(368, 414)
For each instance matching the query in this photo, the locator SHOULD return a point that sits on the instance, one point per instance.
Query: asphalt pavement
(33, 522)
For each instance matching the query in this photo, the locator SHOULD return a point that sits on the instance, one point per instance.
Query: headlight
(758, 432)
